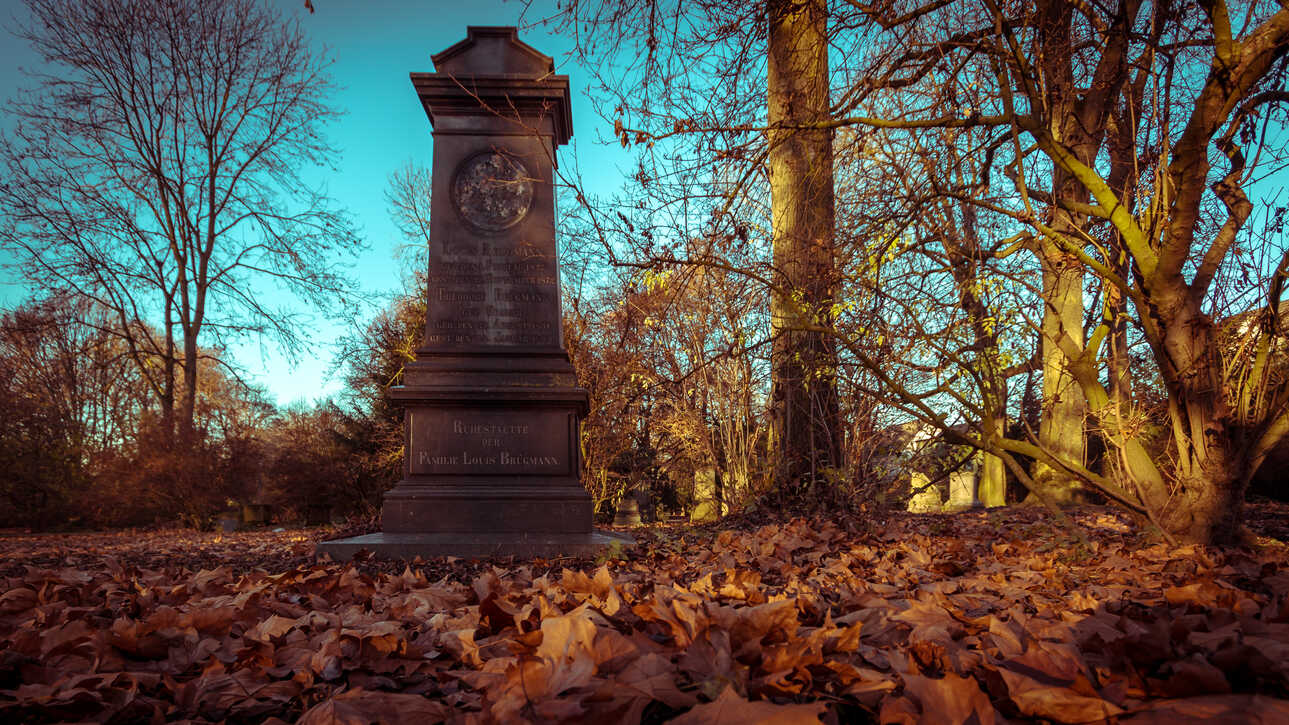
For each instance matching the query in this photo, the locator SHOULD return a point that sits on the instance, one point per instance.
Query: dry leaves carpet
(975, 617)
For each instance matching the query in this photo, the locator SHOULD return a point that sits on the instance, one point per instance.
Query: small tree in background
(156, 170)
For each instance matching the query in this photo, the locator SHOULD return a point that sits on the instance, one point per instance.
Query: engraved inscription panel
(497, 292)
(484, 442)
(493, 292)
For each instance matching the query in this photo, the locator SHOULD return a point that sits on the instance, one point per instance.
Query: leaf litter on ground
(982, 616)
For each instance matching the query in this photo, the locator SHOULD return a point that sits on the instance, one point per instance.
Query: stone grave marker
(962, 489)
(926, 498)
(707, 505)
(492, 406)
(628, 513)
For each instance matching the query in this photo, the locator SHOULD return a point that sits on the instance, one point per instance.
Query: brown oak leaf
(731, 709)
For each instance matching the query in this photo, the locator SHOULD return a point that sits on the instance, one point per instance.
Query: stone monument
(962, 489)
(628, 513)
(925, 498)
(491, 403)
(707, 504)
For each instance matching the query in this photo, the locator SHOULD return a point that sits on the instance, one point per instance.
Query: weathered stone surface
(492, 406)
(487, 507)
(707, 505)
(497, 441)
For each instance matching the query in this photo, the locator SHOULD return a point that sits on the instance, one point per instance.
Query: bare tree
(728, 103)
(156, 169)
(804, 407)
(1134, 133)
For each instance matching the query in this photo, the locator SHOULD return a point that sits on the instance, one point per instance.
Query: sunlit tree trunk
(1124, 177)
(1061, 430)
(993, 382)
(806, 434)
(167, 170)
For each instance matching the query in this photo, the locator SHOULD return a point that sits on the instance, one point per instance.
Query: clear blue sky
(375, 43)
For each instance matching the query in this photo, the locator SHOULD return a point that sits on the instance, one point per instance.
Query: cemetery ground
(979, 616)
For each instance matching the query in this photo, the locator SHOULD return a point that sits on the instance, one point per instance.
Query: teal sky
(375, 44)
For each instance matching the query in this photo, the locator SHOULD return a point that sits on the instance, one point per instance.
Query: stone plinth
(472, 546)
(490, 459)
(492, 406)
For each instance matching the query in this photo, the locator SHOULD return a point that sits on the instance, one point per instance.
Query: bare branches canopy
(158, 168)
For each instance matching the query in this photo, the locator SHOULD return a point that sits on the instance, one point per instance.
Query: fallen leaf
(731, 709)
(1241, 709)
(950, 700)
(360, 707)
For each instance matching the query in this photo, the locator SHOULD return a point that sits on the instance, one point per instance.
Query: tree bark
(1060, 429)
(806, 434)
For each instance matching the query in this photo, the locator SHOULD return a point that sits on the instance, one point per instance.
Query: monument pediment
(492, 73)
(492, 51)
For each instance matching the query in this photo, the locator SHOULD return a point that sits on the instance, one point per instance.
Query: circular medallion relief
(492, 190)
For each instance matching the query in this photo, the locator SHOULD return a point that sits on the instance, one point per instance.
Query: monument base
(522, 545)
(503, 507)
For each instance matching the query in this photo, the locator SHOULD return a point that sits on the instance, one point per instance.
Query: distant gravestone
(707, 506)
(962, 490)
(628, 513)
(255, 514)
(926, 498)
(647, 503)
(492, 406)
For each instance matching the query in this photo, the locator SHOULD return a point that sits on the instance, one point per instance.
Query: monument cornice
(514, 97)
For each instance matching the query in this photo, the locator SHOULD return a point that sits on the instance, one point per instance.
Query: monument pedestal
(491, 404)
(492, 462)
(485, 458)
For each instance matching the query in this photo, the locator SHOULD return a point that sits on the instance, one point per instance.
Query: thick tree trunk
(1212, 467)
(188, 408)
(805, 428)
(168, 387)
(1208, 506)
(1060, 429)
(992, 490)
